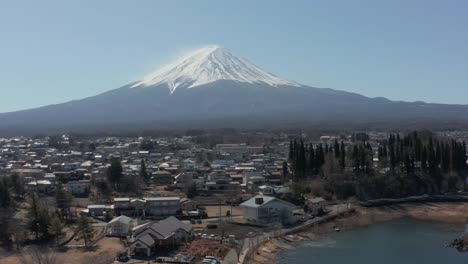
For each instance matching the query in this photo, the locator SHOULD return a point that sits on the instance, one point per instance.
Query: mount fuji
(211, 87)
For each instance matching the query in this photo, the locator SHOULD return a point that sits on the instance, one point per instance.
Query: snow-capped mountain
(213, 88)
(208, 65)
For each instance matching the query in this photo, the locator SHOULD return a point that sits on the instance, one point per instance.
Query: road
(251, 244)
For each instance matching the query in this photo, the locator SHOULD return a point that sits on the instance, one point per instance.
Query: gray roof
(146, 239)
(97, 206)
(316, 200)
(121, 219)
(126, 199)
(173, 198)
(266, 199)
(161, 173)
(162, 229)
(174, 224)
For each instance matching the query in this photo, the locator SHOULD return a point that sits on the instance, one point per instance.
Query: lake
(402, 241)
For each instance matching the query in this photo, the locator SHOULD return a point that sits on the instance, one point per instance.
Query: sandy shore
(452, 216)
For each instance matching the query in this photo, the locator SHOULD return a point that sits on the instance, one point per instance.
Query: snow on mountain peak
(207, 65)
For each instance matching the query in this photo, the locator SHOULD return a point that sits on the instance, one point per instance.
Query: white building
(119, 226)
(266, 210)
(78, 187)
(160, 206)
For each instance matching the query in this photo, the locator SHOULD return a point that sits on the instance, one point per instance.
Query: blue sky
(55, 51)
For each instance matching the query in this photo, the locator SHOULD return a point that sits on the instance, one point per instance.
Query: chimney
(259, 200)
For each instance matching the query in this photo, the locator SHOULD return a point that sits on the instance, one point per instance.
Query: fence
(251, 244)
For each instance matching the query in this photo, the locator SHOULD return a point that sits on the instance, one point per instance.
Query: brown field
(214, 210)
(103, 252)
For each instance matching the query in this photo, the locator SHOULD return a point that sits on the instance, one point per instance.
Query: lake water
(404, 241)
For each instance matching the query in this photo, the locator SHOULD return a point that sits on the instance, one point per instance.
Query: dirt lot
(205, 247)
(214, 210)
(103, 252)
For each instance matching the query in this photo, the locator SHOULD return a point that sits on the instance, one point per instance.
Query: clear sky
(55, 51)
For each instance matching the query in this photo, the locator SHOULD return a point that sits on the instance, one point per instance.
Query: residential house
(315, 206)
(276, 191)
(78, 188)
(122, 203)
(263, 209)
(162, 206)
(162, 177)
(149, 238)
(96, 209)
(119, 226)
(42, 186)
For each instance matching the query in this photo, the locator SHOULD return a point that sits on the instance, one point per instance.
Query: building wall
(118, 229)
(157, 208)
(250, 214)
(272, 212)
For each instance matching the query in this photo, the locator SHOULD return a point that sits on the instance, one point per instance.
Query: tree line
(400, 165)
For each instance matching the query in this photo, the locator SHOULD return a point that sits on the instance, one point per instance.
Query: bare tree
(39, 256)
(19, 233)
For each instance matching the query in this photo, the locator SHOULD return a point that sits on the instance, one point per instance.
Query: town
(202, 196)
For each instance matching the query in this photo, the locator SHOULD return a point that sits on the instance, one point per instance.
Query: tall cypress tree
(311, 159)
(291, 150)
(302, 159)
(336, 149)
(319, 157)
(143, 173)
(342, 155)
(464, 157)
(424, 159)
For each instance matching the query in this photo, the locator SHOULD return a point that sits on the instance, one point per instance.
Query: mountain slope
(208, 65)
(213, 88)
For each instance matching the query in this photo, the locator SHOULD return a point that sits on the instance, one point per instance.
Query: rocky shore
(461, 244)
(452, 216)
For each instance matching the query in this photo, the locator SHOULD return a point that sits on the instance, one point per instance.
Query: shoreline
(451, 216)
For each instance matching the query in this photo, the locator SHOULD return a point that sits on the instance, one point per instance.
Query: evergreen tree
(285, 170)
(63, 200)
(5, 199)
(392, 156)
(114, 172)
(336, 149)
(301, 162)
(84, 230)
(424, 159)
(319, 157)
(291, 151)
(17, 184)
(38, 218)
(143, 173)
(342, 155)
(464, 155)
(55, 229)
(92, 146)
(192, 191)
